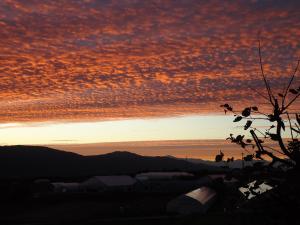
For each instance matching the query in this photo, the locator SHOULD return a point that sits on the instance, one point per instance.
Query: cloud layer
(101, 59)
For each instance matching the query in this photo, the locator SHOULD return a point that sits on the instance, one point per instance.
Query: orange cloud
(83, 60)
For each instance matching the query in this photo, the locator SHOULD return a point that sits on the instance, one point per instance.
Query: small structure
(163, 176)
(62, 187)
(108, 183)
(196, 201)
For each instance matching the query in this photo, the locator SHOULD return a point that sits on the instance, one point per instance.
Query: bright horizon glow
(192, 127)
(173, 128)
(196, 136)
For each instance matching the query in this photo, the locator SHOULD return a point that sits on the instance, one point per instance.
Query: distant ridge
(37, 161)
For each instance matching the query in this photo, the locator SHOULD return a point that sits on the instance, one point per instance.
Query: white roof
(202, 195)
(196, 201)
(112, 180)
(162, 175)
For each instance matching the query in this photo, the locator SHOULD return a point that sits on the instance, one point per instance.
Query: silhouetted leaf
(280, 95)
(293, 91)
(246, 112)
(239, 138)
(271, 117)
(247, 125)
(274, 137)
(248, 140)
(237, 119)
(227, 107)
(254, 108)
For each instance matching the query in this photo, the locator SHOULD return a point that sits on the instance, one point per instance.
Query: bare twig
(273, 149)
(260, 94)
(290, 83)
(297, 131)
(260, 113)
(264, 76)
(291, 102)
(255, 129)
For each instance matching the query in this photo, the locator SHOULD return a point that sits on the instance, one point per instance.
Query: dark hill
(35, 161)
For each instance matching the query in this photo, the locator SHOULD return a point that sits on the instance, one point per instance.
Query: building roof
(112, 180)
(202, 195)
(162, 175)
(196, 201)
(66, 185)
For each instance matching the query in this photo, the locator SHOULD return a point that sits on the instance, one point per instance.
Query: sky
(178, 128)
(108, 71)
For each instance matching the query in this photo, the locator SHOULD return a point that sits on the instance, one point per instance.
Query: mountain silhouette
(37, 161)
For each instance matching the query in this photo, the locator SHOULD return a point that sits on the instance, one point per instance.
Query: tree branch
(290, 125)
(263, 75)
(264, 152)
(290, 83)
(260, 94)
(294, 99)
(280, 141)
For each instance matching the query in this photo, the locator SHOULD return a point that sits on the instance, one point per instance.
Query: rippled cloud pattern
(101, 59)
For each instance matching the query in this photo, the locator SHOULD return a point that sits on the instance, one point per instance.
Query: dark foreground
(278, 206)
(31, 192)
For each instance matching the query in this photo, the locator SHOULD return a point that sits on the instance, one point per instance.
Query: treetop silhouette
(286, 150)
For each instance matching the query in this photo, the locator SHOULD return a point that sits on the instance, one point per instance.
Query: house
(196, 201)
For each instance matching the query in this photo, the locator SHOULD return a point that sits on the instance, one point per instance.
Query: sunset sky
(79, 72)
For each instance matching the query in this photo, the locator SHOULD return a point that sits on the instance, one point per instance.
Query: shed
(196, 201)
